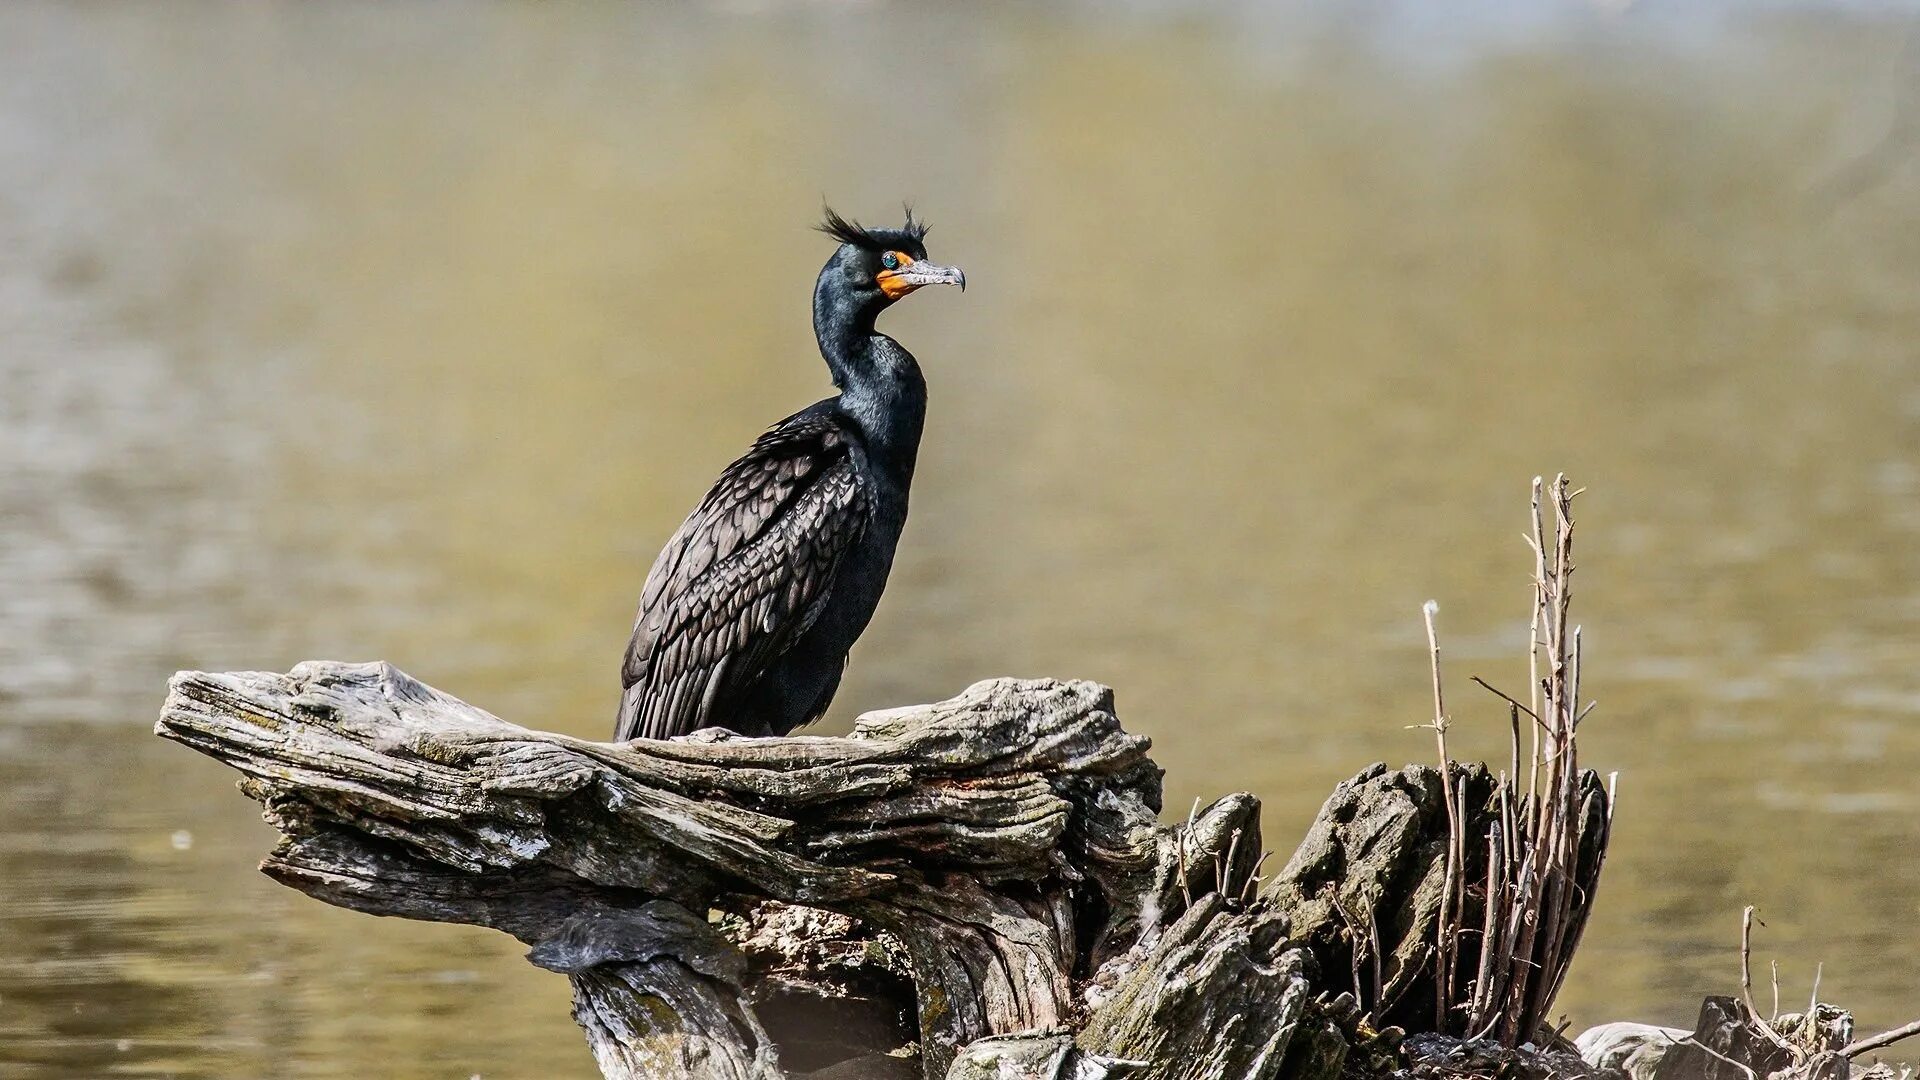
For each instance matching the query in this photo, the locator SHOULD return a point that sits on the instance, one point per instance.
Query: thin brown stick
(1251, 886)
(1223, 867)
(1504, 696)
(1746, 959)
(1353, 935)
(1690, 1040)
(1180, 854)
(1445, 938)
(1489, 931)
(1373, 937)
(1538, 542)
(1764, 1027)
(1884, 1039)
(1506, 803)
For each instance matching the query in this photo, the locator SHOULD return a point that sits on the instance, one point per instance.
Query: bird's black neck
(881, 389)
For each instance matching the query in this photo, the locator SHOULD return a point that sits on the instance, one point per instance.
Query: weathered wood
(1729, 1042)
(1363, 888)
(1002, 838)
(971, 889)
(1438, 1057)
(1035, 1055)
(1635, 1049)
(828, 988)
(1221, 992)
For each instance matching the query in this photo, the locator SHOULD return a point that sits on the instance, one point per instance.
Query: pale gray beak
(926, 273)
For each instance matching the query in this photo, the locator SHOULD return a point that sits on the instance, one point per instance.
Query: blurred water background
(409, 332)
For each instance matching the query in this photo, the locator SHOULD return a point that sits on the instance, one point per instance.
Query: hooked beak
(898, 283)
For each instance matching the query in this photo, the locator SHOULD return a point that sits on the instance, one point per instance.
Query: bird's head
(875, 267)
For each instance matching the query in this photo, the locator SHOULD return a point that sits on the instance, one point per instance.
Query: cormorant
(749, 612)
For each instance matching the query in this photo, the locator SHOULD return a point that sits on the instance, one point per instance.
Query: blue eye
(890, 261)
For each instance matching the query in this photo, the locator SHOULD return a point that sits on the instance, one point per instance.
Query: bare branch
(1884, 1039)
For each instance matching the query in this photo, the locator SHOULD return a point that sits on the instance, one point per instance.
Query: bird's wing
(743, 578)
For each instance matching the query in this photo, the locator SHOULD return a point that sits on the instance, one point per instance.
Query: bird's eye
(890, 261)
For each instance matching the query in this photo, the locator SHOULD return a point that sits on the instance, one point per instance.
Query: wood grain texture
(985, 878)
(997, 837)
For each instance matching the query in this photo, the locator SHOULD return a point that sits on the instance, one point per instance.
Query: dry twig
(1448, 943)
(1746, 959)
(1537, 891)
(1884, 1039)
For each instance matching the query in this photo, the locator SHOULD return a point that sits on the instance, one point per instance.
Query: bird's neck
(881, 391)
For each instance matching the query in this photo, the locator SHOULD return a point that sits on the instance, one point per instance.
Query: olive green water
(410, 333)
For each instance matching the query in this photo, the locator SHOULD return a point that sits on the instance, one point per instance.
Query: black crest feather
(848, 231)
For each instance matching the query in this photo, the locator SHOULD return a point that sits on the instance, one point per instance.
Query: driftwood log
(1005, 843)
(979, 888)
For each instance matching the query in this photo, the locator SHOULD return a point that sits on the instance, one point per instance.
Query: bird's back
(744, 578)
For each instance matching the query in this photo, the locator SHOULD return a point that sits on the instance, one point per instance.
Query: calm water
(411, 332)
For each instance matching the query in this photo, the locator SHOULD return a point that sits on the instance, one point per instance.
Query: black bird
(751, 608)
